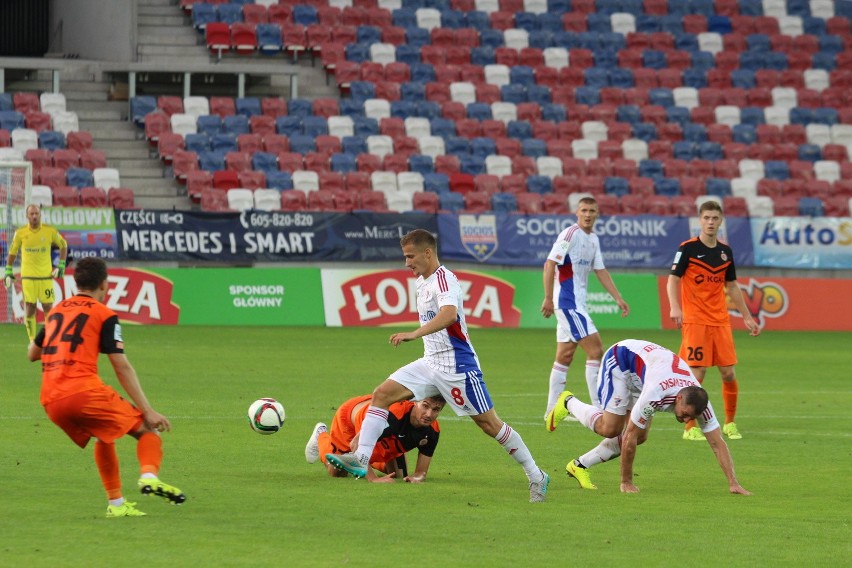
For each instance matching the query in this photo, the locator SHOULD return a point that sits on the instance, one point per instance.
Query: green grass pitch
(253, 500)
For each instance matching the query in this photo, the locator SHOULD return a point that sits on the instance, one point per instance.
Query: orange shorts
(100, 413)
(707, 345)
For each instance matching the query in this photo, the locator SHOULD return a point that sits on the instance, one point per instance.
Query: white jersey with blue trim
(450, 349)
(660, 374)
(575, 253)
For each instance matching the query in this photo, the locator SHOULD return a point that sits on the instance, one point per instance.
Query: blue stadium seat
(596, 77)
(825, 116)
(503, 203)
(616, 186)
(743, 78)
(482, 147)
(269, 40)
(457, 146)
(315, 126)
(451, 201)
(647, 24)
(452, 19)
(420, 164)
(236, 124)
(404, 18)
(686, 42)
(598, 22)
(479, 20)
(479, 111)
(358, 52)
(304, 15)
(678, 115)
(719, 187)
(550, 22)
(654, 59)
(526, 21)
(669, 187)
(776, 169)
(436, 183)
(139, 107)
(368, 34)
(519, 129)
(521, 75)
(809, 153)
(482, 55)
(428, 109)
(513, 94)
(671, 23)
(811, 207)
(413, 91)
(629, 114)
(814, 26)
(621, 78)
(443, 127)
(79, 177)
(645, 131)
(344, 162)
(539, 184)
(830, 44)
(661, 97)
(7, 104)
(683, 150)
(403, 109)
(209, 124)
(365, 126)
(744, 133)
(203, 14)
(422, 73)
(197, 142)
(224, 142)
(302, 144)
(758, 42)
(590, 96)
(701, 61)
(472, 165)
(751, 7)
(709, 151)
(553, 112)
(702, 7)
(362, 90)
(10, 120)
(408, 54)
(491, 38)
(800, 115)
(248, 106)
(265, 162)
(300, 107)
(417, 36)
(568, 40)
(51, 140)
(650, 169)
(824, 60)
(539, 94)
(351, 107)
(279, 180)
(354, 145)
(229, 13)
(288, 125)
(533, 147)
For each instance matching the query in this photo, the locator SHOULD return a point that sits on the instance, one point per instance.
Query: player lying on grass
(410, 425)
(638, 379)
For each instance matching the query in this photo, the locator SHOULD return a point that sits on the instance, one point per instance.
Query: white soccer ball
(266, 416)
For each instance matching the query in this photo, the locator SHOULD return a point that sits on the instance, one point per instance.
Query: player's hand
(59, 270)
(389, 478)
(8, 278)
(738, 489)
(398, 338)
(628, 487)
(625, 309)
(753, 328)
(157, 422)
(547, 307)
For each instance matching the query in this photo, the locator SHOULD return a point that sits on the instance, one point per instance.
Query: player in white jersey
(637, 380)
(575, 254)
(449, 367)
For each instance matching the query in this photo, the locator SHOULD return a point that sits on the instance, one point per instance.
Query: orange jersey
(704, 273)
(77, 330)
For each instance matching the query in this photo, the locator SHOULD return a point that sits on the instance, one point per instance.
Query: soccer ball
(266, 416)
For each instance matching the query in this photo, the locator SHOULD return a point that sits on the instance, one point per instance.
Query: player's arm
(130, 383)
(548, 279)
(446, 316)
(736, 296)
(629, 442)
(59, 271)
(673, 292)
(8, 276)
(723, 456)
(420, 470)
(605, 278)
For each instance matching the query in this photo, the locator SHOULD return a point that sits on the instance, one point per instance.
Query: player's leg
(591, 344)
(696, 349)
(375, 421)
(566, 345)
(726, 358)
(32, 291)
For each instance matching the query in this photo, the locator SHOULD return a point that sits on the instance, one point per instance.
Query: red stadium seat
(120, 198)
(93, 197)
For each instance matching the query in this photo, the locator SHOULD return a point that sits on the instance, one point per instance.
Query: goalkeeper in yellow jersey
(37, 271)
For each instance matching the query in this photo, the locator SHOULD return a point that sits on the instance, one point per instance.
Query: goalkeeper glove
(8, 278)
(59, 271)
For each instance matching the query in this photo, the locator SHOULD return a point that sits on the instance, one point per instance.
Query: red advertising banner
(794, 304)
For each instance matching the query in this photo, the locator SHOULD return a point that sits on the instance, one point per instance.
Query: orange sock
(690, 424)
(149, 450)
(107, 461)
(730, 390)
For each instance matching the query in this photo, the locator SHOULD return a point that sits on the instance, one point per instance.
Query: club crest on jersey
(724, 256)
(479, 235)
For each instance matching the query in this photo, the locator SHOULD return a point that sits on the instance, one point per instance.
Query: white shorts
(573, 325)
(617, 391)
(466, 393)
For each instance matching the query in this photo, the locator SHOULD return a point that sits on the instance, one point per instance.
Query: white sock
(557, 384)
(587, 414)
(148, 476)
(375, 422)
(608, 448)
(117, 502)
(515, 446)
(592, 369)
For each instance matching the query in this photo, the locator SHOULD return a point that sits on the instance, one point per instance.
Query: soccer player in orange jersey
(702, 273)
(411, 425)
(75, 398)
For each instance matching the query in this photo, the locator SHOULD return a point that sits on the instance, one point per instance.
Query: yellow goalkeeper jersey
(35, 246)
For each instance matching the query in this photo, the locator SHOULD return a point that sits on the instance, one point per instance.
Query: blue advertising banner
(264, 236)
(634, 242)
(803, 242)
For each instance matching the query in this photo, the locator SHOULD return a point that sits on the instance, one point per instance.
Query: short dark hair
(587, 199)
(420, 238)
(437, 399)
(90, 272)
(696, 397)
(710, 205)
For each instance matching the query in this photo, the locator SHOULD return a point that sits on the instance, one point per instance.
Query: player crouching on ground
(638, 379)
(75, 398)
(410, 425)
